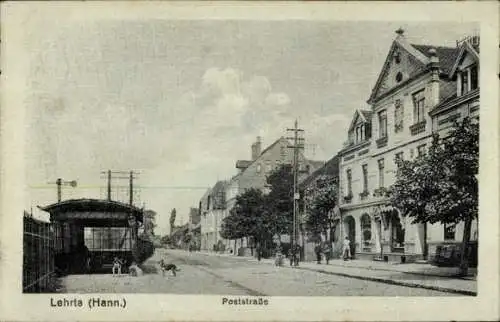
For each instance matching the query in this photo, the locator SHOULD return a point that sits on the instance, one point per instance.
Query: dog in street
(166, 267)
(117, 266)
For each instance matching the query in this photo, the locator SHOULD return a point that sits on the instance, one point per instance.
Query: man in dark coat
(317, 251)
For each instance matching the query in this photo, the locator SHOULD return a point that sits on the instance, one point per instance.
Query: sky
(181, 101)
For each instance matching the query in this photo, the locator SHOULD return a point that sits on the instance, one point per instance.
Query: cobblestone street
(206, 274)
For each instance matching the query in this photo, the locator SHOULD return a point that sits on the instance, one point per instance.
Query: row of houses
(420, 90)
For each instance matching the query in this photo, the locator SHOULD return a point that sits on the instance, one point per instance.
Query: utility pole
(298, 144)
(109, 185)
(111, 175)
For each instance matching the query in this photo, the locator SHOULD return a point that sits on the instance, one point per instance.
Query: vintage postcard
(192, 161)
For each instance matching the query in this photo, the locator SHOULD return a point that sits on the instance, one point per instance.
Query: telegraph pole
(120, 175)
(298, 144)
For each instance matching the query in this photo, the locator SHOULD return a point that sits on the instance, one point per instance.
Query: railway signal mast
(60, 182)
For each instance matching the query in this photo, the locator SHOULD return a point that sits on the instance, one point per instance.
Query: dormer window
(469, 80)
(360, 132)
(474, 81)
(465, 82)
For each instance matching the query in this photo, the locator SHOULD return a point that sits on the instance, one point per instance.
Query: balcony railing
(417, 128)
(381, 142)
(348, 198)
(380, 192)
(363, 195)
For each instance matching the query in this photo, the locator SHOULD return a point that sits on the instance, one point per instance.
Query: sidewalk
(411, 275)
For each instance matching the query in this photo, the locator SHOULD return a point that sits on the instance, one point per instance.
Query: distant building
(213, 210)
(420, 89)
(253, 174)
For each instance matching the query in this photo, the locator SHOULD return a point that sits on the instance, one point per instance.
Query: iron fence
(38, 255)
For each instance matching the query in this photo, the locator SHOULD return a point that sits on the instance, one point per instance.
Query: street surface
(225, 275)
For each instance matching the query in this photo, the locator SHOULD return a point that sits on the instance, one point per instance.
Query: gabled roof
(331, 167)
(465, 48)
(220, 186)
(365, 115)
(446, 55)
(264, 151)
(399, 43)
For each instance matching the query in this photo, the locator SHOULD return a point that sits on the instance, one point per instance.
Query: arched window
(366, 232)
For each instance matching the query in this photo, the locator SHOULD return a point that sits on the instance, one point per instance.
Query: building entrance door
(350, 228)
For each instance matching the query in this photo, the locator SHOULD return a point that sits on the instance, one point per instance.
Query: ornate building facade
(421, 89)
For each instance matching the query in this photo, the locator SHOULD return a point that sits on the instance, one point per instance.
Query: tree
(173, 214)
(320, 200)
(279, 201)
(247, 218)
(149, 224)
(442, 186)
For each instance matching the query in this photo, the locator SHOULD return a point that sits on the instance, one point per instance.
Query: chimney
(434, 84)
(400, 32)
(256, 149)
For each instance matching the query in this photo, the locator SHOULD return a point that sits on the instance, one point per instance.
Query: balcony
(363, 195)
(417, 128)
(380, 192)
(381, 142)
(348, 198)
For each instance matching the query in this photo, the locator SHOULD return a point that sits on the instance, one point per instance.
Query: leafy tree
(279, 200)
(320, 200)
(173, 214)
(149, 224)
(442, 186)
(247, 217)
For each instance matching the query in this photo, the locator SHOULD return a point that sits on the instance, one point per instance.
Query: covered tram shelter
(89, 233)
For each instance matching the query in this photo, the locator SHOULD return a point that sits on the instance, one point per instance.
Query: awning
(387, 208)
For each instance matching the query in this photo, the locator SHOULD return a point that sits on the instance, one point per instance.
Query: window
(107, 238)
(421, 150)
(208, 202)
(464, 75)
(259, 168)
(473, 78)
(418, 107)
(382, 124)
(397, 57)
(381, 167)
(449, 231)
(278, 164)
(283, 152)
(398, 116)
(399, 77)
(366, 232)
(349, 182)
(269, 166)
(365, 177)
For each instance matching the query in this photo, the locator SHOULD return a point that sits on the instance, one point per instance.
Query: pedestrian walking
(346, 250)
(327, 250)
(317, 251)
(259, 252)
(297, 255)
